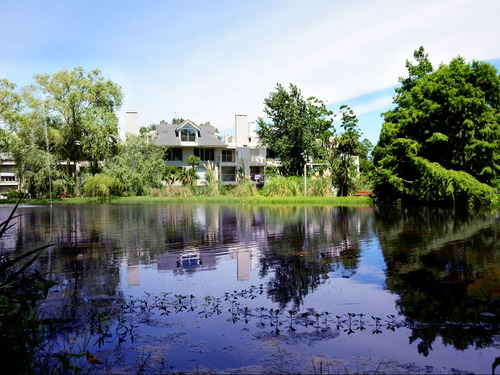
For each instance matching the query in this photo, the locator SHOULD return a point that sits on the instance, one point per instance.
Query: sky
(213, 59)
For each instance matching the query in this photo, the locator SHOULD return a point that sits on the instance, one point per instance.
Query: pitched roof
(169, 135)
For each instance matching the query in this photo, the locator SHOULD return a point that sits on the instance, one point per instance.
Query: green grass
(254, 200)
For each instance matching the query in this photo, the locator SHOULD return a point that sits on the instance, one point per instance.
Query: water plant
(21, 290)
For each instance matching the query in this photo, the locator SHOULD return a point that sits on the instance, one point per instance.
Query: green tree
(345, 171)
(365, 158)
(294, 128)
(441, 142)
(82, 106)
(138, 166)
(35, 168)
(9, 101)
(146, 129)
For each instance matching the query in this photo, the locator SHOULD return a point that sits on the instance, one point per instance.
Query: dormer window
(188, 135)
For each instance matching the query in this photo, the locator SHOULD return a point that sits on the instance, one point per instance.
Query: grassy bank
(254, 200)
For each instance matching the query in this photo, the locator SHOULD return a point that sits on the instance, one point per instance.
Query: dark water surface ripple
(271, 289)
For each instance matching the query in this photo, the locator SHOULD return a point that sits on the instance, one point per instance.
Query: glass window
(205, 154)
(188, 135)
(174, 154)
(227, 156)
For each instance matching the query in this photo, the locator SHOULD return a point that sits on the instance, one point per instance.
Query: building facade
(240, 155)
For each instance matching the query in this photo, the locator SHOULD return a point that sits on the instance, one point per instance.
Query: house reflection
(191, 260)
(133, 275)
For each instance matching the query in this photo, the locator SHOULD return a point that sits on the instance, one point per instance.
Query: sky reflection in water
(212, 267)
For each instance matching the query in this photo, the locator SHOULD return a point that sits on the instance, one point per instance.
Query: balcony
(257, 159)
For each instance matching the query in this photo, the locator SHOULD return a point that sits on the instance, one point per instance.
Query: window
(8, 178)
(227, 156)
(205, 154)
(188, 135)
(174, 154)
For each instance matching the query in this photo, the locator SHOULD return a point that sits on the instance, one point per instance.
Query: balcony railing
(257, 159)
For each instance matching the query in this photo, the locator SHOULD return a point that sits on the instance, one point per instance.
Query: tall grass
(280, 186)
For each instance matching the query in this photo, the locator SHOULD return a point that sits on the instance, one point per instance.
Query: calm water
(181, 287)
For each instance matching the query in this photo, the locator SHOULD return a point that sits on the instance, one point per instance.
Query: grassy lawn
(257, 200)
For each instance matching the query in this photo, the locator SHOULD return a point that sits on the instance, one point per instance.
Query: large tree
(441, 143)
(82, 107)
(138, 165)
(295, 124)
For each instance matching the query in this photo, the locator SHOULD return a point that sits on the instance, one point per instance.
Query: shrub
(13, 194)
(102, 186)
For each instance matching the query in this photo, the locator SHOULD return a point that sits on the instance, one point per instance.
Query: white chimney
(132, 123)
(241, 124)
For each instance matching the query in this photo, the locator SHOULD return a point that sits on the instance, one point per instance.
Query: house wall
(7, 174)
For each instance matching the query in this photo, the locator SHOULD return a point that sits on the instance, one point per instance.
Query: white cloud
(211, 60)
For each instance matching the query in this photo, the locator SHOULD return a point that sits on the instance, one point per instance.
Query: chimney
(241, 124)
(132, 123)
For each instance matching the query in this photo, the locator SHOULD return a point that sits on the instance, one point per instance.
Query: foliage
(9, 101)
(138, 166)
(449, 122)
(426, 182)
(35, 168)
(21, 290)
(245, 188)
(13, 194)
(295, 124)
(365, 163)
(282, 186)
(82, 111)
(178, 191)
(320, 185)
(193, 161)
(102, 186)
(346, 151)
(212, 188)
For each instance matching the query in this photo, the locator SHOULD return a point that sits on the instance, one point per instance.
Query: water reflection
(340, 260)
(432, 256)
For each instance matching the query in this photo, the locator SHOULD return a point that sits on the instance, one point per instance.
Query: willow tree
(441, 142)
(82, 107)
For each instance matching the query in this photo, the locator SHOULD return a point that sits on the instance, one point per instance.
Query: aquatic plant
(21, 290)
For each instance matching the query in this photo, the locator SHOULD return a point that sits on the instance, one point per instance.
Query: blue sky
(210, 60)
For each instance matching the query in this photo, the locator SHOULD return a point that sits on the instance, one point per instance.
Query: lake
(266, 289)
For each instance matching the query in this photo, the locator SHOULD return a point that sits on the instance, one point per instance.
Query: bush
(102, 186)
(13, 194)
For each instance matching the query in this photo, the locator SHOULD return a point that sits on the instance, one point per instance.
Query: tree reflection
(432, 256)
(306, 247)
